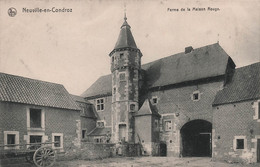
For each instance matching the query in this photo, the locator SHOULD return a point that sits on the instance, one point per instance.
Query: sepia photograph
(134, 83)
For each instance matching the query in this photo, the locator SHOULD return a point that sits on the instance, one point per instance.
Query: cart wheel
(29, 154)
(44, 156)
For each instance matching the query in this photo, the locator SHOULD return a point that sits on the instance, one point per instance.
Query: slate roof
(90, 111)
(147, 109)
(204, 62)
(125, 38)
(102, 87)
(244, 85)
(100, 131)
(30, 91)
(79, 99)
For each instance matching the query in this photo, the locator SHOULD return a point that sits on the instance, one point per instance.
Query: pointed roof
(125, 38)
(147, 109)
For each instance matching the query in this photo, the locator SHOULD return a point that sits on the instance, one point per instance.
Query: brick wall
(13, 117)
(106, 113)
(230, 120)
(178, 101)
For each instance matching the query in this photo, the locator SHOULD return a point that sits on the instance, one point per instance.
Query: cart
(41, 154)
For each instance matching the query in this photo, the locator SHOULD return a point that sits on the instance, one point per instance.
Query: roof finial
(125, 18)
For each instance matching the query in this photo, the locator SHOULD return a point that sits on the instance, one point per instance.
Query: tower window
(132, 107)
(121, 55)
(114, 91)
(100, 104)
(113, 59)
(122, 76)
(258, 110)
(168, 125)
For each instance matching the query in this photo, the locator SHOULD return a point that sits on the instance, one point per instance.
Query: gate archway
(196, 139)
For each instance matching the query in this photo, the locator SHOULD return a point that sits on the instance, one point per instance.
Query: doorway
(196, 139)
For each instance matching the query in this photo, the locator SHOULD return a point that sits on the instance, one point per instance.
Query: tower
(125, 68)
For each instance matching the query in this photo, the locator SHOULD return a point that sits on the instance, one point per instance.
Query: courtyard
(142, 162)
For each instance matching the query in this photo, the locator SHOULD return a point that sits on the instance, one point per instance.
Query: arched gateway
(196, 138)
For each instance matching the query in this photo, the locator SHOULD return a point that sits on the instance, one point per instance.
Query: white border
(16, 133)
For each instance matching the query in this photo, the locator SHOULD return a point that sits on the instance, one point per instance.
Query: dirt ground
(151, 162)
(142, 162)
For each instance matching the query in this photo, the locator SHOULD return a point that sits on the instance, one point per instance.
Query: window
(132, 107)
(57, 140)
(100, 104)
(112, 59)
(240, 144)
(35, 118)
(258, 110)
(122, 76)
(114, 90)
(11, 139)
(83, 135)
(195, 96)
(35, 139)
(154, 100)
(98, 139)
(256, 106)
(100, 124)
(121, 55)
(168, 125)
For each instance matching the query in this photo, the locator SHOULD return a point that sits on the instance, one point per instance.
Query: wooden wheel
(44, 156)
(29, 154)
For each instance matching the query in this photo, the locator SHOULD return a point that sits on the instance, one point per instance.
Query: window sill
(36, 129)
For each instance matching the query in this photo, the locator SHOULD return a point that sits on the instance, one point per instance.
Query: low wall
(90, 151)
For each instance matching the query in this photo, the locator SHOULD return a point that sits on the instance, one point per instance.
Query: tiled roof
(100, 132)
(102, 87)
(244, 85)
(204, 62)
(30, 91)
(147, 109)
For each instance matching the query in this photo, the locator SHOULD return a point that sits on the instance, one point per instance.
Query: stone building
(194, 103)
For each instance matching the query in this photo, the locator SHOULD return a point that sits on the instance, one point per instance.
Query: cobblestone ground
(142, 162)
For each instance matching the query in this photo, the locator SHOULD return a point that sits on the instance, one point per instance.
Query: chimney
(188, 49)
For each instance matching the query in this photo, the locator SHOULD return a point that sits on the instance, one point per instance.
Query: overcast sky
(72, 48)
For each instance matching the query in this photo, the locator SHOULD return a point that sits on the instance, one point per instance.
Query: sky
(72, 48)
